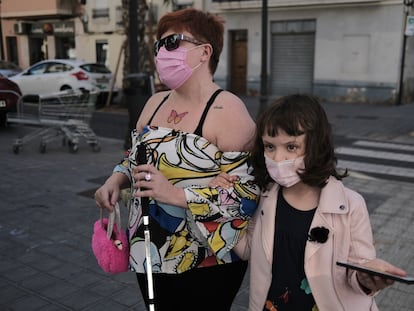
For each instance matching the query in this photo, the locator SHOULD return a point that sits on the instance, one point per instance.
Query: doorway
(292, 56)
(35, 50)
(101, 51)
(238, 61)
(65, 47)
(12, 53)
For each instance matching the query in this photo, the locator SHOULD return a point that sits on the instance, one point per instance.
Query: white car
(54, 75)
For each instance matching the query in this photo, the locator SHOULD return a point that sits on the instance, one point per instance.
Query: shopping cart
(64, 115)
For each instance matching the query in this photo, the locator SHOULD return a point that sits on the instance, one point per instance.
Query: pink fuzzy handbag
(110, 243)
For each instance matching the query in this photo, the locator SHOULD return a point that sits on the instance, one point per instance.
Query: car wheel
(16, 149)
(96, 147)
(42, 147)
(65, 87)
(3, 119)
(73, 147)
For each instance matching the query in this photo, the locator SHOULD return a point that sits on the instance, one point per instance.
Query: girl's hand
(375, 283)
(223, 180)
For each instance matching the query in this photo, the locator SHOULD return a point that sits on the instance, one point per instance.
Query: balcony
(39, 9)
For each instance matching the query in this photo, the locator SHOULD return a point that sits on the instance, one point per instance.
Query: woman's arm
(222, 214)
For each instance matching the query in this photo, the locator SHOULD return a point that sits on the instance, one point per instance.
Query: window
(39, 69)
(58, 67)
(293, 26)
(101, 9)
(95, 68)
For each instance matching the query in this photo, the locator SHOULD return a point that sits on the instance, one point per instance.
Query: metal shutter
(292, 63)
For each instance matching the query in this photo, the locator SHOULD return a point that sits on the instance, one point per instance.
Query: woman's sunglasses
(172, 42)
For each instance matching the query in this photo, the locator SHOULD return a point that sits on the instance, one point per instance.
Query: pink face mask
(172, 67)
(285, 172)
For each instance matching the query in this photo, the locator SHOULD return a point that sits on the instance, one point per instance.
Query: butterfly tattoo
(176, 117)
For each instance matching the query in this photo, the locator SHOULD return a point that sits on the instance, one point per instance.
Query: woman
(190, 134)
(307, 220)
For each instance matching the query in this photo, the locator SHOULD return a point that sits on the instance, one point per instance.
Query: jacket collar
(333, 198)
(332, 201)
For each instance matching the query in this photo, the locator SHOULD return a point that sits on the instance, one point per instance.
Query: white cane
(149, 264)
(142, 159)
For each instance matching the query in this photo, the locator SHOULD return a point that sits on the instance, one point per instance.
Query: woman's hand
(150, 182)
(223, 180)
(107, 195)
(376, 283)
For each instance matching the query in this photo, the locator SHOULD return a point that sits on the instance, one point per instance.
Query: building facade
(36, 30)
(339, 50)
(46, 29)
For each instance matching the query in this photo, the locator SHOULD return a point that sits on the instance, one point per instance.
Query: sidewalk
(48, 211)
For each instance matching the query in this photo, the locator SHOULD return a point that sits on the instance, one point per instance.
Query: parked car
(9, 96)
(54, 75)
(8, 69)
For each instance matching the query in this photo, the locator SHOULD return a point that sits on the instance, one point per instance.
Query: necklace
(176, 117)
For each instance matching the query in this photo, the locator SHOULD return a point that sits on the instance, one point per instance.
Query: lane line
(385, 155)
(375, 144)
(376, 168)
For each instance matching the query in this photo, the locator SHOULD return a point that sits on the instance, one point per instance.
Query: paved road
(47, 210)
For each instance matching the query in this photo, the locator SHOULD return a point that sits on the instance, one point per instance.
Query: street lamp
(263, 75)
(1, 37)
(407, 5)
(133, 36)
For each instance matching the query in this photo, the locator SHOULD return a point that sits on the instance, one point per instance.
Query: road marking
(376, 154)
(366, 152)
(376, 144)
(376, 168)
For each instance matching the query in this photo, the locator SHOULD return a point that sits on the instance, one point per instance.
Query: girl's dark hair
(204, 26)
(296, 115)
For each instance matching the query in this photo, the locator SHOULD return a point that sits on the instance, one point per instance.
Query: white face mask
(285, 172)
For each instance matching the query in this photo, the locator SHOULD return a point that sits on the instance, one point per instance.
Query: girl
(307, 220)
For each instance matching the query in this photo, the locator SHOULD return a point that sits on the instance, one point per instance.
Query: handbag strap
(114, 217)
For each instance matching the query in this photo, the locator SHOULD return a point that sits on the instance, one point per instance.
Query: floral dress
(205, 233)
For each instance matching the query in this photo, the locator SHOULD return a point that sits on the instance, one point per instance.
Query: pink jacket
(344, 213)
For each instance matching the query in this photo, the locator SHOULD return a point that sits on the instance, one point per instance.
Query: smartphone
(353, 266)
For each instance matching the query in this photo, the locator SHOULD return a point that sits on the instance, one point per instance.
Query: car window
(95, 68)
(37, 69)
(58, 67)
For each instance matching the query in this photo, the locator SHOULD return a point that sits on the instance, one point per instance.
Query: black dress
(289, 289)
